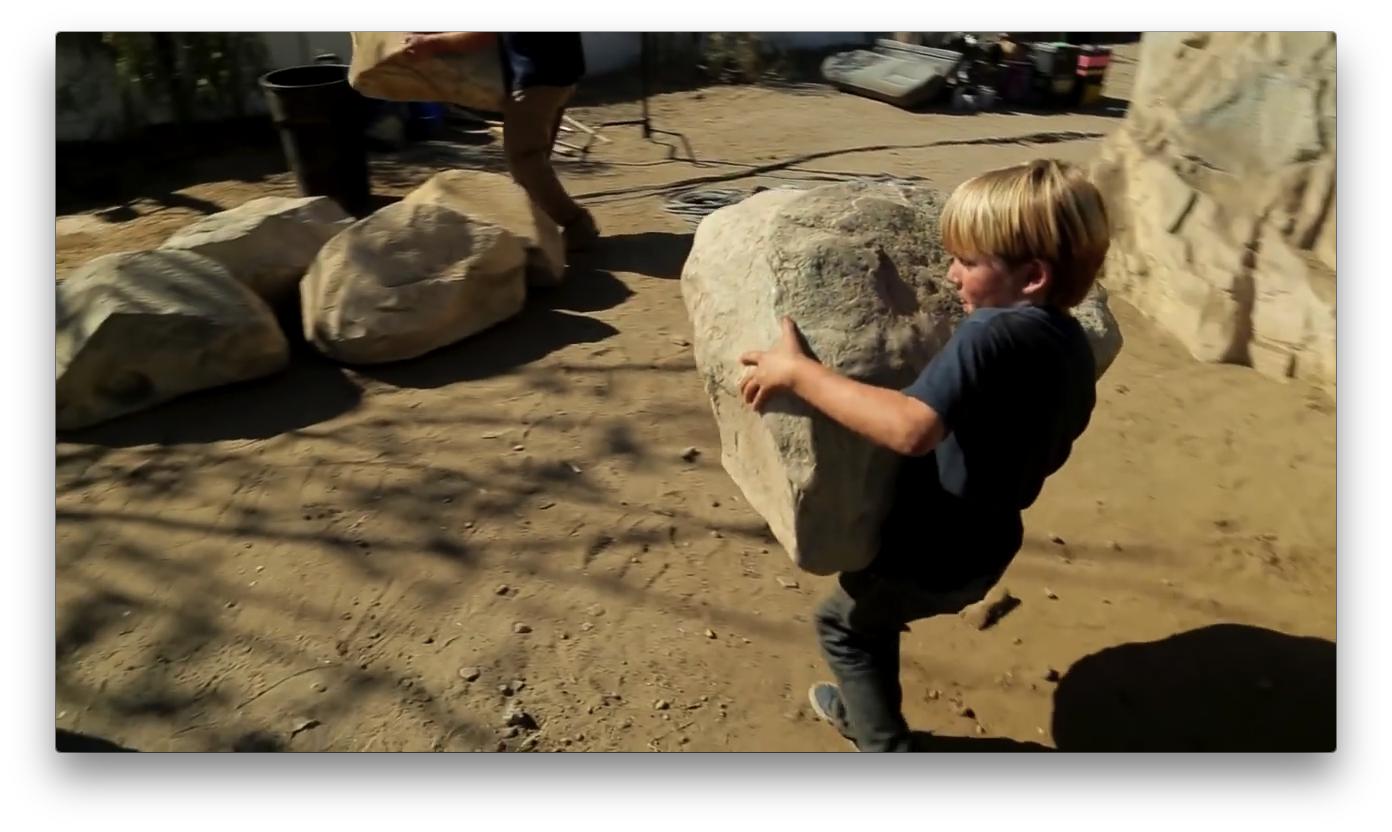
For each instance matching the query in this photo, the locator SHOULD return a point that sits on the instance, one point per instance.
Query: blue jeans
(858, 627)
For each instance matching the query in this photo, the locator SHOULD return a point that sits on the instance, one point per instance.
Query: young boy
(991, 416)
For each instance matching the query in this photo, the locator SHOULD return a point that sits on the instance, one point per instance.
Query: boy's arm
(886, 417)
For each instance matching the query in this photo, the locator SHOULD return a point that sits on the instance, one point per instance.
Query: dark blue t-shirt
(541, 59)
(1014, 388)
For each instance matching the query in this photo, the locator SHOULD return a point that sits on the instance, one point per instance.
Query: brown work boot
(581, 234)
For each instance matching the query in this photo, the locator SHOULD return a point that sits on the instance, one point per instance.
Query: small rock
(1115, 545)
(690, 454)
(512, 732)
(505, 689)
(260, 569)
(596, 610)
(787, 583)
(710, 633)
(1057, 540)
(587, 626)
(965, 711)
(518, 684)
(681, 342)
(470, 674)
(564, 636)
(980, 729)
(662, 705)
(519, 447)
(715, 504)
(934, 694)
(231, 604)
(627, 722)
(319, 687)
(521, 629)
(1050, 594)
(715, 533)
(375, 634)
(1051, 675)
(544, 505)
(469, 524)
(347, 616)
(1018, 641)
(503, 589)
(428, 640)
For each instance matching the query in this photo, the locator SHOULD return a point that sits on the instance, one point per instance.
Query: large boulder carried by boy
(141, 328)
(409, 279)
(861, 269)
(496, 199)
(267, 243)
(1220, 183)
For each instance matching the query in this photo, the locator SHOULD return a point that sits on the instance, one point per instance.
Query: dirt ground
(336, 559)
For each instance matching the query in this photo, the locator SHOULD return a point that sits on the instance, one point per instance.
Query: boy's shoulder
(1035, 331)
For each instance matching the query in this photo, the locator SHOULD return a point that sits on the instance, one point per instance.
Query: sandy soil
(320, 559)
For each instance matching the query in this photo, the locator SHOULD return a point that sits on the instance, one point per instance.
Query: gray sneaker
(826, 703)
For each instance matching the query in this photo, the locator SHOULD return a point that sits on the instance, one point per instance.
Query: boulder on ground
(136, 329)
(267, 243)
(1221, 187)
(409, 279)
(496, 199)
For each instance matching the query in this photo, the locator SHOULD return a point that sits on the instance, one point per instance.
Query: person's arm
(443, 43)
(886, 417)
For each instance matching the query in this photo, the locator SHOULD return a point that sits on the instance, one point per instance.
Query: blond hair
(1042, 210)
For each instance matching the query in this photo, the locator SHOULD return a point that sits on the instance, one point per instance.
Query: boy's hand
(773, 370)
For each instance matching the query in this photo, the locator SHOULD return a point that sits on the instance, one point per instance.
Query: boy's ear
(1038, 280)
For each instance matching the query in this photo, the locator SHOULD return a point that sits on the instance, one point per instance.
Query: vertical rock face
(410, 279)
(1221, 185)
(267, 244)
(496, 199)
(138, 329)
(860, 268)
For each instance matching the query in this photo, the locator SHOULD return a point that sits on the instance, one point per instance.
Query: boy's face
(985, 282)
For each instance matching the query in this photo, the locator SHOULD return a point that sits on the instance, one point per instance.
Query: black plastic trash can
(321, 120)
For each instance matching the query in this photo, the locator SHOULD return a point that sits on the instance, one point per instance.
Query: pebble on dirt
(1051, 675)
(662, 705)
(470, 674)
(787, 583)
(521, 629)
(690, 454)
